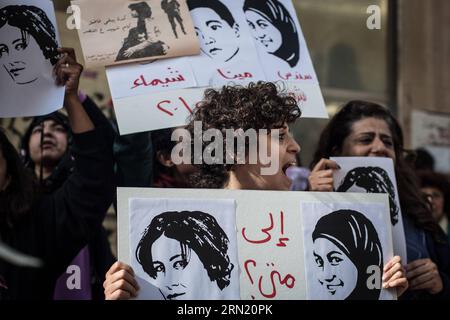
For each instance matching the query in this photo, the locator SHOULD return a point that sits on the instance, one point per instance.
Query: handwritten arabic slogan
(269, 241)
(28, 43)
(120, 31)
(373, 175)
(346, 246)
(431, 130)
(183, 249)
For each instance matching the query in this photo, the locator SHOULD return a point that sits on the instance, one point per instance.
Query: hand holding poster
(120, 31)
(28, 52)
(373, 175)
(267, 235)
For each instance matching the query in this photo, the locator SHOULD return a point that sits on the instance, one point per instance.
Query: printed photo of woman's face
(174, 267)
(264, 32)
(336, 273)
(17, 50)
(218, 39)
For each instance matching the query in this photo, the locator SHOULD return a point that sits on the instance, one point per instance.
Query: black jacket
(62, 223)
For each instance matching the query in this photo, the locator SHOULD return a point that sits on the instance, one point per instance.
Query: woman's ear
(164, 159)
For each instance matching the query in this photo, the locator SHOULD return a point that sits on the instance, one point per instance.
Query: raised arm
(76, 210)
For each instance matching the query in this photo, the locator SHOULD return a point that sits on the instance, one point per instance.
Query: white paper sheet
(373, 175)
(346, 247)
(190, 246)
(27, 83)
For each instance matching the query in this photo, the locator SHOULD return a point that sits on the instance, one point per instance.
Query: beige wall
(423, 58)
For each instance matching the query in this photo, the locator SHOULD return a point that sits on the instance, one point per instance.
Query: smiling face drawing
(264, 32)
(336, 272)
(17, 52)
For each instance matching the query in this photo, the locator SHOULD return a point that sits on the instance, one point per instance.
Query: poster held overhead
(117, 31)
(228, 56)
(28, 53)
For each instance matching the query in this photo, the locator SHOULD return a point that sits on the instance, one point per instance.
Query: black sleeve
(440, 254)
(76, 210)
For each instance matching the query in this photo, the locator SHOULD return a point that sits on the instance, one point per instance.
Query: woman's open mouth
(287, 166)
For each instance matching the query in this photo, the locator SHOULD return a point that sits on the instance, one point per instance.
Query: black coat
(63, 222)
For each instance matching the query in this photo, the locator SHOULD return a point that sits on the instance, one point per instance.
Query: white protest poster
(268, 228)
(279, 40)
(431, 130)
(122, 31)
(157, 111)
(149, 77)
(346, 247)
(373, 175)
(283, 52)
(28, 52)
(227, 51)
(184, 249)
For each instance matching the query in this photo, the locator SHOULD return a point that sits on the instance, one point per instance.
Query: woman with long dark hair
(367, 129)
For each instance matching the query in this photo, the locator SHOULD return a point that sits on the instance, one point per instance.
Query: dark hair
(32, 20)
(142, 8)
(194, 230)
(214, 5)
(144, 12)
(421, 159)
(258, 106)
(439, 181)
(18, 198)
(274, 12)
(340, 127)
(162, 144)
(355, 236)
(373, 180)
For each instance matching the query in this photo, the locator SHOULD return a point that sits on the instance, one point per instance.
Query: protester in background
(55, 227)
(436, 188)
(367, 129)
(421, 159)
(258, 106)
(46, 151)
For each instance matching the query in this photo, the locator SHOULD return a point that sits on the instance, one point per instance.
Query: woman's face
(18, 56)
(54, 144)
(264, 32)
(250, 176)
(369, 137)
(218, 40)
(4, 178)
(436, 198)
(336, 273)
(175, 275)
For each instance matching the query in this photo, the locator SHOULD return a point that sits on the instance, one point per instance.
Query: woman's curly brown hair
(258, 106)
